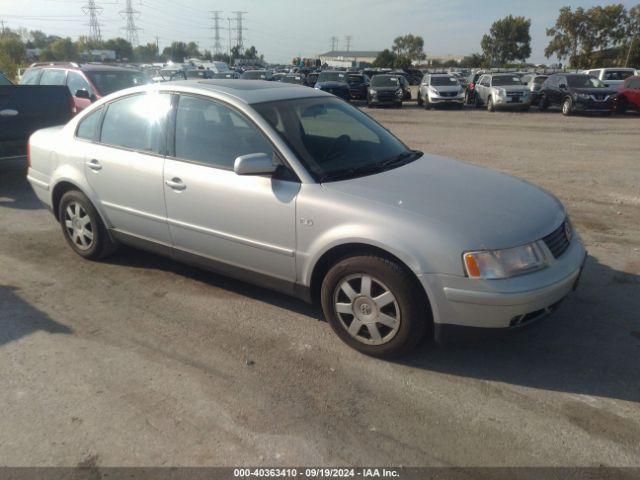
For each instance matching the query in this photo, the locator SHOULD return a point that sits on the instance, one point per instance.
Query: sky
(283, 29)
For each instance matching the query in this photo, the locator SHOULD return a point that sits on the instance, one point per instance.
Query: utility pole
(347, 39)
(93, 10)
(229, 30)
(130, 15)
(217, 46)
(239, 29)
(334, 43)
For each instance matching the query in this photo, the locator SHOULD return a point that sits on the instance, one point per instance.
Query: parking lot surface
(138, 360)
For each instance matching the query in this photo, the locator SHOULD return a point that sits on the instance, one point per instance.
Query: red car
(87, 82)
(629, 95)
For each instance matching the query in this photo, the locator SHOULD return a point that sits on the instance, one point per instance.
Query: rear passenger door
(125, 161)
(240, 223)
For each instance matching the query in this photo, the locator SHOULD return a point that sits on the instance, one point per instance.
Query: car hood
(488, 208)
(332, 84)
(595, 91)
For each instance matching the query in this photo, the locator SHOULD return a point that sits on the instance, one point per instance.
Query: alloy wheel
(79, 226)
(367, 309)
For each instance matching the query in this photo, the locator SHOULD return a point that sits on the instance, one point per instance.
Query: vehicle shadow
(18, 318)
(130, 257)
(15, 190)
(589, 346)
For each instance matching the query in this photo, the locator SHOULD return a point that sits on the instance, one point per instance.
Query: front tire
(82, 227)
(419, 99)
(373, 305)
(490, 105)
(567, 107)
(543, 104)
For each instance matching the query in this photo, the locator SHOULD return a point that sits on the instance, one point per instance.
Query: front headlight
(582, 96)
(373, 92)
(505, 263)
(501, 92)
(399, 92)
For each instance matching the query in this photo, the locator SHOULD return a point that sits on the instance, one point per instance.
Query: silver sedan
(291, 188)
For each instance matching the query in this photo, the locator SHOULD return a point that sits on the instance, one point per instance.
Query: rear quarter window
(88, 125)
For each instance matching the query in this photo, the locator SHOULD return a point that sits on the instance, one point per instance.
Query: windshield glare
(109, 82)
(584, 81)
(332, 77)
(444, 81)
(385, 81)
(505, 80)
(332, 138)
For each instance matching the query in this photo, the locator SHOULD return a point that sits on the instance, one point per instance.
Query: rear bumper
(466, 308)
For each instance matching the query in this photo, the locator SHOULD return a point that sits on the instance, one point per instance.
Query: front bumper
(582, 105)
(464, 307)
(438, 100)
(386, 100)
(506, 102)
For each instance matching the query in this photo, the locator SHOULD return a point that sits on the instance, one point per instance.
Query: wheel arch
(346, 250)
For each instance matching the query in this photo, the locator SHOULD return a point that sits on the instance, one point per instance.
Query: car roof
(86, 67)
(251, 91)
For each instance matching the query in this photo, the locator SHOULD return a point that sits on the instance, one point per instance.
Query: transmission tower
(239, 30)
(334, 43)
(217, 46)
(130, 15)
(93, 10)
(347, 40)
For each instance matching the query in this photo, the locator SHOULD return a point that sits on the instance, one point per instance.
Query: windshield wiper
(352, 172)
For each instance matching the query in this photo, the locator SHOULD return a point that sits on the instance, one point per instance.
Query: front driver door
(240, 223)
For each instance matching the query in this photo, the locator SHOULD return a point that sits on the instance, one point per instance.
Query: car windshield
(334, 140)
(355, 79)
(332, 77)
(505, 80)
(385, 81)
(111, 81)
(292, 79)
(445, 81)
(584, 81)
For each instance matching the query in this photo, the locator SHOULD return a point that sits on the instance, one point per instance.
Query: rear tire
(419, 99)
(490, 106)
(373, 305)
(567, 107)
(83, 228)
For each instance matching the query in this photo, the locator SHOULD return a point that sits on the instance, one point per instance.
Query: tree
(508, 40)
(407, 49)
(64, 49)
(146, 53)
(122, 47)
(176, 52)
(192, 50)
(632, 56)
(12, 53)
(475, 60)
(385, 59)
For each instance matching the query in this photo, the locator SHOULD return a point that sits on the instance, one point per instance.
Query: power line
(130, 15)
(217, 46)
(239, 30)
(334, 43)
(347, 40)
(93, 11)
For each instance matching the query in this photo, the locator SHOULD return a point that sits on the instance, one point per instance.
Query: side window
(211, 133)
(53, 77)
(137, 122)
(30, 77)
(76, 82)
(87, 126)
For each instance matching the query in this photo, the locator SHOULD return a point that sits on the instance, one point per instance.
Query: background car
(612, 77)
(533, 82)
(470, 92)
(358, 85)
(199, 73)
(226, 75)
(334, 82)
(298, 79)
(577, 92)
(87, 82)
(501, 91)
(257, 75)
(312, 78)
(385, 89)
(440, 89)
(628, 95)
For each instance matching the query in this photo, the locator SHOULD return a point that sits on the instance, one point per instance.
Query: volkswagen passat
(296, 190)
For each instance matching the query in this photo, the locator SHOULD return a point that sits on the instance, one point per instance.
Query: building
(344, 58)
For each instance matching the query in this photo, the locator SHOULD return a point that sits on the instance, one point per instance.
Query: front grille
(557, 241)
(448, 94)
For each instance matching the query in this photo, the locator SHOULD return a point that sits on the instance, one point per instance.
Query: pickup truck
(27, 108)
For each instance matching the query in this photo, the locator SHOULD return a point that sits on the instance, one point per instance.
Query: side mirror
(254, 164)
(83, 93)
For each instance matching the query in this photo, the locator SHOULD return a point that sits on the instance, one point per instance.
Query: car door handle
(8, 112)
(94, 165)
(176, 184)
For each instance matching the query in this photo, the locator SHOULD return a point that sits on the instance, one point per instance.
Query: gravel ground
(141, 361)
